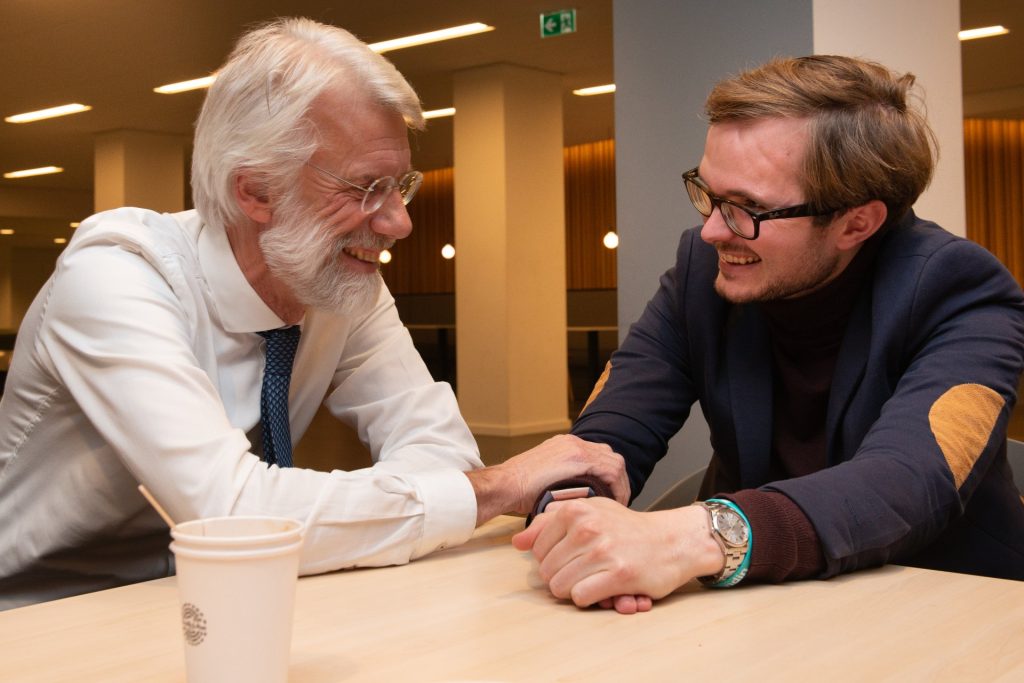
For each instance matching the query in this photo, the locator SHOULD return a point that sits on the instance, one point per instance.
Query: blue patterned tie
(277, 375)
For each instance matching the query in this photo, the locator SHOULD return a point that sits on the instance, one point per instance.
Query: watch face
(731, 527)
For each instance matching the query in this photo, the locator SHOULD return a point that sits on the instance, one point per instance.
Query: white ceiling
(110, 54)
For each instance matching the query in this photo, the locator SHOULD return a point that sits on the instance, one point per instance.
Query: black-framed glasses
(378, 191)
(741, 220)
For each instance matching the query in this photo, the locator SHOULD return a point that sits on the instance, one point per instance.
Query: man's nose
(715, 228)
(392, 218)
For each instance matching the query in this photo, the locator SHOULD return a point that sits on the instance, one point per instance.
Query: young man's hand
(596, 551)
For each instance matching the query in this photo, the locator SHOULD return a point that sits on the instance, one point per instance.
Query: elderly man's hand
(595, 551)
(515, 485)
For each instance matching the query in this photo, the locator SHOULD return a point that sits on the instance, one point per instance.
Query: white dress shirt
(139, 361)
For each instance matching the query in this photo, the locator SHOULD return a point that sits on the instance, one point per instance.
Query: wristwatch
(731, 530)
(554, 495)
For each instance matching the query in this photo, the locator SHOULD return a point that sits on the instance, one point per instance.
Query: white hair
(255, 117)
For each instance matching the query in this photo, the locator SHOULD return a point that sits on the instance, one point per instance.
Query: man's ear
(252, 198)
(860, 223)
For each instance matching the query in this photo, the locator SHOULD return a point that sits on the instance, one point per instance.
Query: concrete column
(917, 36)
(510, 251)
(138, 168)
(667, 57)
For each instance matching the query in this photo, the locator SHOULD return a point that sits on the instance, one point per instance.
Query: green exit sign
(557, 23)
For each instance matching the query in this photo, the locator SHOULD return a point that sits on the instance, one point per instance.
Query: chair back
(682, 493)
(1015, 455)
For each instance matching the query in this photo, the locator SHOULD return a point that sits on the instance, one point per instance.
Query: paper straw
(156, 506)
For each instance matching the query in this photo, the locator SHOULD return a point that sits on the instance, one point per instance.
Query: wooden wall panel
(994, 176)
(417, 266)
(589, 214)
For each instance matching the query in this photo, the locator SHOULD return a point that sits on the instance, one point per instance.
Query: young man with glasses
(161, 348)
(857, 365)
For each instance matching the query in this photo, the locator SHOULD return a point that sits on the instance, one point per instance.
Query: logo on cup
(193, 624)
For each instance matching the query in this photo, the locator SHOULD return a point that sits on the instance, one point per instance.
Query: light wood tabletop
(480, 613)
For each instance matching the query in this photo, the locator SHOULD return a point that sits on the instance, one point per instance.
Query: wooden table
(479, 612)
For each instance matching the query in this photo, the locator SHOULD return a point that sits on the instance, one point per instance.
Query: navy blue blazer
(923, 388)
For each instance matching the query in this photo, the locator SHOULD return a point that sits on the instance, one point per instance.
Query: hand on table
(595, 551)
(515, 485)
(628, 604)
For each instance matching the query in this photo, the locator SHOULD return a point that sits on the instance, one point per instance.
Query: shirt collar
(239, 306)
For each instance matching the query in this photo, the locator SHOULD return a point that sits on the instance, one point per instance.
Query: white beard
(299, 254)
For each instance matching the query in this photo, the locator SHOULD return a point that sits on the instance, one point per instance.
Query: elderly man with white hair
(155, 352)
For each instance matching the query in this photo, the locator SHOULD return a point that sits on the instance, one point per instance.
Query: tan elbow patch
(599, 385)
(962, 420)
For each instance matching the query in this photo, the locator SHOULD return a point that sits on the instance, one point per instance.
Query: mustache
(363, 239)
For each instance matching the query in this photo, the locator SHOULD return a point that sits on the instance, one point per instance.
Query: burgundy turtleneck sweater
(806, 333)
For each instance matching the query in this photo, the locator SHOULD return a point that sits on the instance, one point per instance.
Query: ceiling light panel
(185, 86)
(595, 90)
(984, 32)
(439, 113)
(383, 46)
(28, 172)
(52, 112)
(431, 37)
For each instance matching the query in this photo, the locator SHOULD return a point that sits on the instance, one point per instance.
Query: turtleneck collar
(819, 319)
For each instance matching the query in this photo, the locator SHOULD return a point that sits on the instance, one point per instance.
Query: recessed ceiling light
(50, 113)
(74, 224)
(595, 90)
(44, 170)
(439, 113)
(6, 231)
(431, 37)
(60, 240)
(185, 86)
(984, 32)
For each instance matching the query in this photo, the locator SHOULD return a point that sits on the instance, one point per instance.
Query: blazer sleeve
(647, 389)
(947, 341)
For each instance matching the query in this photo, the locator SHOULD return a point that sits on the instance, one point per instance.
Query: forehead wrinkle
(374, 137)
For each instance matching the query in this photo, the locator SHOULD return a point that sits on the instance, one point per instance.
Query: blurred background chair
(1015, 455)
(684, 492)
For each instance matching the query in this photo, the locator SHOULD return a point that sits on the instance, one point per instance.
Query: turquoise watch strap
(741, 571)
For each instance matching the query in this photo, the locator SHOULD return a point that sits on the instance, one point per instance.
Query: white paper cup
(236, 582)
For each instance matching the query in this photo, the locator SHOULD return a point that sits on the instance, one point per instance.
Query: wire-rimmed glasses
(378, 191)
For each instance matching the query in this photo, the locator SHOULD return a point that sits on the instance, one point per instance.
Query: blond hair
(867, 139)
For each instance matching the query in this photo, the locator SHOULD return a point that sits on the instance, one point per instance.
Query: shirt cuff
(449, 505)
(785, 545)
